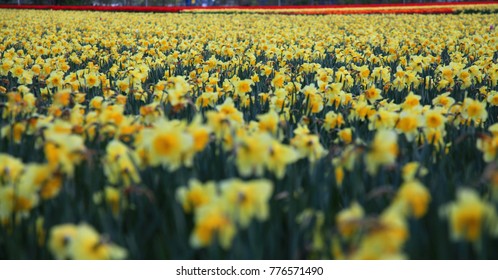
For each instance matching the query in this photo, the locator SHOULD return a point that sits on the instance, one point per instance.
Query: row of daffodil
(486, 8)
(292, 127)
(407, 8)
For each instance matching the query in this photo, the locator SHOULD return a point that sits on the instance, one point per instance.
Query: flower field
(412, 8)
(215, 135)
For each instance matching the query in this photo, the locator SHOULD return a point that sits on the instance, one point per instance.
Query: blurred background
(210, 2)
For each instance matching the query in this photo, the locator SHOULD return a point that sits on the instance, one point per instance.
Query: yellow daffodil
(246, 200)
(196, 195)
(349, 220)
(468, 215)
(383, 151)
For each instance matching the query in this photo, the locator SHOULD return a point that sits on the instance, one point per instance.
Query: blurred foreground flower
(212, 222)
(348, 220)
(383, 151)
(469, 216)
(82, 242)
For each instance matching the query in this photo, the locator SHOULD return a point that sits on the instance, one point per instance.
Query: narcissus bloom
(247, 200)
(349, 219)
(252, 153)
(196, 195)
(382, 119)
(167, 144)
(372, 94)
(11, 169)
(307, 145)
(278, 80)
(411, 101)
(123, 85)
(269, 122)
(383, 151)
(19, 199)
(243, 86)
(492, 98)
(41, 177)
(408, 123)
(346, 135)
(384, 241)
(469, 215)
(55, 80)
(416, 196)
(489, 146)
(63, 152)
(305, 101)
(120, 164)
(177, 92)
(474, 110)
(88, 244)
(229, 110)
(434, 119)
(60, 239)
(443, 100)
(212, 222)
(201, 133)
(14, 132)
(280, 157)
(333, 120)
(92, 80)
(82, 242)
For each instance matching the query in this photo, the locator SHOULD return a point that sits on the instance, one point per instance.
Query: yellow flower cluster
(469, 215)
(218, 209)
(144, 95)
(489, 144)
(414, 8)
(82, 242)
(384, 237)
(22, 186)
